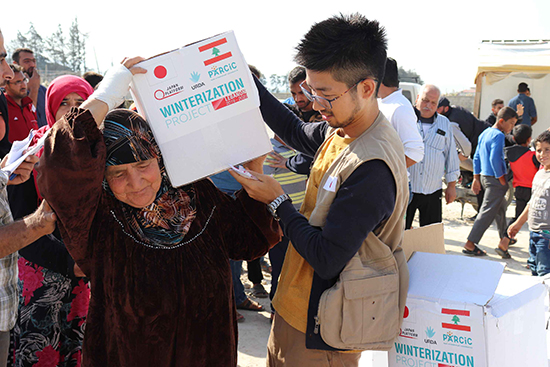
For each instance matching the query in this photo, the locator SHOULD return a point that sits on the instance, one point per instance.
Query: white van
(410, 90)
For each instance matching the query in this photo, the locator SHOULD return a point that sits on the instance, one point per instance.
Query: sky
(438, 41)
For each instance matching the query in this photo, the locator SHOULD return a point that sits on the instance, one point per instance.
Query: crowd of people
(104, 262)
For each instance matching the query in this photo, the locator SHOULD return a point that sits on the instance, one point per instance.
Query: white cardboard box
(202, 105)
(462, 311)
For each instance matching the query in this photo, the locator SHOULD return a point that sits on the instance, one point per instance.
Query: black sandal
(475, 252)
(250, 305)
(503, 253)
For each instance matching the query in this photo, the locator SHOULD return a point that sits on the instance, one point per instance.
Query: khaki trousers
(287, 347)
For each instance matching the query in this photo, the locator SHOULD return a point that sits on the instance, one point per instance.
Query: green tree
(274, 83)
(409, 76)
(32, 40)
(35, 41)
(456, 320)
(215, 51)
(76, 48)
(56, 47)
(19, 41)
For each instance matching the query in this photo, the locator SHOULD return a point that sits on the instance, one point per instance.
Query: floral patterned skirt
(52, 317)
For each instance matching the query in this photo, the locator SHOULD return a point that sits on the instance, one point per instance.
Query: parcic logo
(429, 335)
(217, 71)
(195, 77)
(462, 341)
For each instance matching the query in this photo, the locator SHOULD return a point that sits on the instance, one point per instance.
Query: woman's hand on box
(130, 62)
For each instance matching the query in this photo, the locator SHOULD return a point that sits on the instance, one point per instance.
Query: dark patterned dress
(52, 315)
(150, 306)
(53, 302)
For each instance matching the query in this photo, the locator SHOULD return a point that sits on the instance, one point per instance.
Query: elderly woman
(157, 256)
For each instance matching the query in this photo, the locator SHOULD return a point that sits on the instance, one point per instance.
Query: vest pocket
(370, 310)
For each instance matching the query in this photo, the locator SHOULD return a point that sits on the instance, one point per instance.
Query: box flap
(453, 278)
(426, 239)
(513, 292)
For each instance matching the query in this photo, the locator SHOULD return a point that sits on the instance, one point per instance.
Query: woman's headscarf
(129, 139)
(59, 88)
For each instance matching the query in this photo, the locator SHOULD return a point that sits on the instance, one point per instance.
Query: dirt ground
(254, 331)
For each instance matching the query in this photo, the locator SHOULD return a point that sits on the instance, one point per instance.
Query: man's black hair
(350, 47)
(544, 137)
(522, 133)
(443, 102)
(16, 68)
(92, 78)
(391, 75)
(254, 70)
(496, 102)
(298, 74)
(522, 87)
(16, 53)
(507, 113)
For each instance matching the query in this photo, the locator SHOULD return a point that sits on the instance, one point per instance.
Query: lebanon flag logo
(454, 324)
(213, 50)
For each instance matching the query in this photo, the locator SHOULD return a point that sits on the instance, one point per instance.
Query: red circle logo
(160, 72)
(406, 313)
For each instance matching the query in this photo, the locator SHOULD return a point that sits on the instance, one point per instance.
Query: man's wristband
(274, 205)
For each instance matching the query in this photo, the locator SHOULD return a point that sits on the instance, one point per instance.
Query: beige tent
(505, 64)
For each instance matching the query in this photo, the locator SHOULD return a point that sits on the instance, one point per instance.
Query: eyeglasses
(25, 80)
(324, 102)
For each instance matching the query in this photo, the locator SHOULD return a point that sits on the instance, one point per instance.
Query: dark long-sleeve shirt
(362, 203)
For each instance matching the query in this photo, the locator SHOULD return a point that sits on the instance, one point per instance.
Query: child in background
(490, 171)
(537, 211)
(524, 165)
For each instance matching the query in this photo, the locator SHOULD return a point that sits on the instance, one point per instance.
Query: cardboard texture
(202, 105)
(462, 311)
(425, 239)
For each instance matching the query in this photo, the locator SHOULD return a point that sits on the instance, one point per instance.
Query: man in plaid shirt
(14, 235)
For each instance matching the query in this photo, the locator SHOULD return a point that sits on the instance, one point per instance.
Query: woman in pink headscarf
(65, 92)
(55, 295)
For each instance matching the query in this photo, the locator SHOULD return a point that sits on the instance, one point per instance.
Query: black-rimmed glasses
(322, 101)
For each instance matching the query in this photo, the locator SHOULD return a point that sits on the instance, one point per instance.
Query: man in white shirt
(440, 159)
(399, 111)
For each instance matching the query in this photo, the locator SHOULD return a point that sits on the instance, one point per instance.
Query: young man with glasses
(21, 110)
(355, 201)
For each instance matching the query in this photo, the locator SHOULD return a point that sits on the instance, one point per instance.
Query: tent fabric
(493, 75)
(497, 61)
